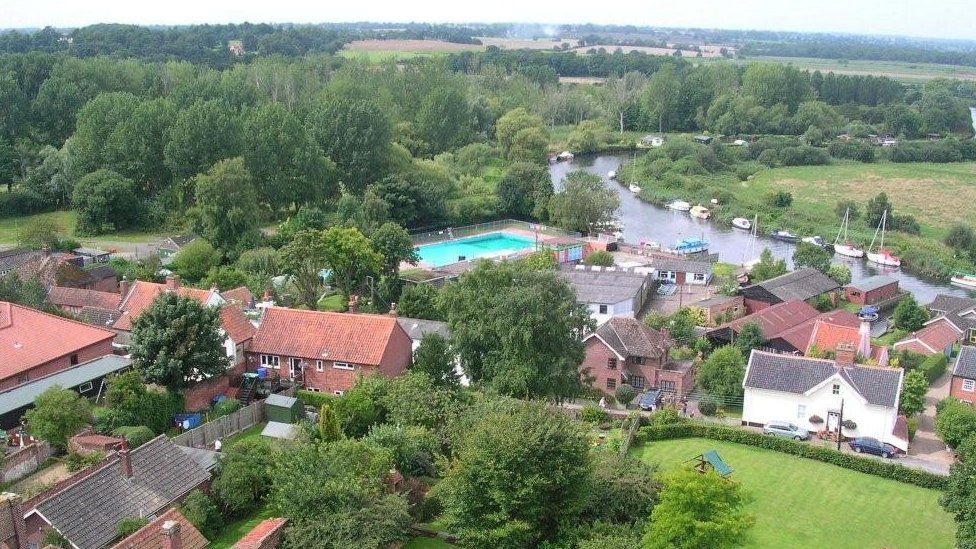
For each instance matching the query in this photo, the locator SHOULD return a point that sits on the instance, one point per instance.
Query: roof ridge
(57, 317)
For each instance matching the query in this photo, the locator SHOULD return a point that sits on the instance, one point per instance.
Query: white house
(608, 292)
(796, 389)
(668, 270)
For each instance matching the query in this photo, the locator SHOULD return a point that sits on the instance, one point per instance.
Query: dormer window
(836, 389)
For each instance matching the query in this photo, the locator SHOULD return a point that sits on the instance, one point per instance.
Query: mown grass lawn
(233, 531)
(10, 226)
(421, 542)
(251, 432)
(800, 502)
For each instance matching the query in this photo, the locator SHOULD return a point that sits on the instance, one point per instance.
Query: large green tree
(136, 147)
(523, 189)
(356, 135)
(242, 480)
(583, 202)
(750, 337)
(909, 315)
(57, 414)
(195, 260)
(393, 243)
(722, 372)
(351, 258)
(768, 267)
(445, 120)
(106, 202)
(959, 500)
(177, 340)
(435, 358)
(202, 134)
(811, 255)
(225, 205)
(913, 390)
(302, 259)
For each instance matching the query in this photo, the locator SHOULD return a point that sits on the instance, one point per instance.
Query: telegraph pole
(840, 424)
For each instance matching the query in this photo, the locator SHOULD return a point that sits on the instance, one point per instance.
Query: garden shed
(282, 409)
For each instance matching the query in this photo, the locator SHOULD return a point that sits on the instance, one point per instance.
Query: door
(833, 418)
(295, 367)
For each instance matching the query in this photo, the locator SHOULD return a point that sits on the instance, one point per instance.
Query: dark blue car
(874, 446)
(650, 400)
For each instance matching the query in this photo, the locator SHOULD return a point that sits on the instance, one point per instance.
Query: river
(644, 221)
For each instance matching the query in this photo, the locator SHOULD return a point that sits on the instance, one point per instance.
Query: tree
(583, 203)
(622, 490)
(202, 513)
(356, 135)
(40, 232)
(242, 481)
(722, 372)
(954, 421)
(662, 96)
(511, 123)
(57, 414)
(876, 208)
(587, 137)
(445, 120)
(840, 273)
(363, 406)
(8, 163)
(435, 358)
(202, 134)
(517, 479)
(414, 448)
(393, 243)
(960, 237)
(225, 211)
(959, 500)
(106, 202)
(517, 329)
(302, 259)
(195, 260)
(750, 337)
(329, 429)
(909, 315)
(136, 149)
(811, 255)
(523, 188)
(625, 394)
(421, 301)
(350, 256)
(225, 277)
(602, 258)
(913, 391)
(768, 267)
(697, 510)
(417, 399)
(529, 145)
(177, 339)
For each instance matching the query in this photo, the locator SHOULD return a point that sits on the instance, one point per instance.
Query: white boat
(815, 240)
(742, 223)
(611, 175)
(679, 205)
(701, 212)
(846, 247)
(882, 256)
(784, 236)
(964, 279)
(634, 188)
(565, 155)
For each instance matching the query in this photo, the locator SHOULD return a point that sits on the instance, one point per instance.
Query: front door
(295, 367)
(833, 418)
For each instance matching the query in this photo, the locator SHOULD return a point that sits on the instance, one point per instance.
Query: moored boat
(611, 175)
(844, 246)
(784, 236)
(742, 223)
(967, 280)
(634, 188)
(869, 313)
(701, 212)
(679, 205)
(815, 240)
(690, 246)
(565, 155)
(882, 256)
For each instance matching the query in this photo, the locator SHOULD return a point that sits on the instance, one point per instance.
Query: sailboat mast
(884, 228)
(877, 230)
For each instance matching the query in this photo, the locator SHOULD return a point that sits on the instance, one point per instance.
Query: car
(786, 429)
(874, 446)
(649, 400)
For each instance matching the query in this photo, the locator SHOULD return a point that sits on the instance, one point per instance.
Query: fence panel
(222, 427)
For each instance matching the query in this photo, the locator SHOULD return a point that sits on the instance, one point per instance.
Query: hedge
(934, 366)
(884, 469)
(316, 399)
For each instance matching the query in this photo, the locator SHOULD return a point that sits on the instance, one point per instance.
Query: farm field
(799, 502)
(710, 51)
(898, 70)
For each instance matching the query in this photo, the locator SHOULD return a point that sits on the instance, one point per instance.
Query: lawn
(332, 303)
(250, 433)
(235, 530)
(799, 502)
(66, 220)
(421, 542)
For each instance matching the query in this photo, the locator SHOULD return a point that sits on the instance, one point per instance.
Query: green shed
(282, 409)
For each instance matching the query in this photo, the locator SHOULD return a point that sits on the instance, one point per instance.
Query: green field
(799, 502)
(66, 220)
(421, 542)
(898, 70)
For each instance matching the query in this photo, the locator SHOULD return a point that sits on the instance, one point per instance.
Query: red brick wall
(595, 364)
(754, 305)
(398, 353)
(108, 284)
(955, 390)
(200, 394)
(85, 354)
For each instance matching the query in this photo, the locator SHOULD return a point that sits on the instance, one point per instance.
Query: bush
(202, 513)
(310, 398)
(912, 427)
(780, 199)
(134, 435)
(106, 420)
(157, 408)
(665, 416)
(934, 366)
(128, 526)
(852, 150)
(884, 469)
(225, 407)
(54, 538)
(849, 424)
(625, 394)
(594, 414)
(954, 421)
(708, 405)
(76, 462)
(600, 258)
(815, 419)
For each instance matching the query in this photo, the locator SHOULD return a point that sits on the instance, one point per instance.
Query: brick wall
(200, 394)
(61, 363)
(595, 364)
(956, 390)
(24, 461)
(266, 535)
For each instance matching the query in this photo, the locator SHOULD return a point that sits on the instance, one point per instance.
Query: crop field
(898, 70)
(711, 51)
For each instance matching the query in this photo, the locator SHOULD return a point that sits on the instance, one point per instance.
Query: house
(38, 344)
(719, 309)
(963, 385)
(266, 535)
(417, 328)
(939, 335)
(326, 351)
(238, 333)
(170, 530)
(782, 387)
(871, 290)
(74, 300)
(173, 244)
(87, 378)
(836, 333)
(960, 311)
(100, 278)
(130, 483)
(624, 350)
(676, 270)
(11, 260)
(786, 326)
(92, 255)
(608, 292)
(805, 284)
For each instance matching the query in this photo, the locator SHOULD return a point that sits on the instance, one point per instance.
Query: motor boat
(784, 236)
(816, 241)
(844, 246)
(882, 256)
(564, 156)
(742, 223)
(679, 205)
(611, 175)
(690, 246)
(965, 280)
(634, 188)
(869, 313)
(701, 212)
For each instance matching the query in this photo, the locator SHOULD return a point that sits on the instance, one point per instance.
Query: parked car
(873, 446)
(786, 429)
(649, 400)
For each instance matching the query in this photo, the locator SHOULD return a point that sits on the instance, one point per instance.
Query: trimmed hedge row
(884, 469)
(934, 366)
(316, 399)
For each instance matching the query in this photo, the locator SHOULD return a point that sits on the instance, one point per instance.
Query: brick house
(939, 335)
(171, 530)
(720, 308)
(963, 384)
(871, 290)
(38, 344)
(624, 350)
(326, 351)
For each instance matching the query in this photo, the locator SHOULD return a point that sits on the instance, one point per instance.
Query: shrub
(54, 538)
(665, 416)
(225, 407)
(708, 405)
(934, 366)
(966, 449)
(815, 419)
(960, 237)
(913, 427)
(600, 258)
(106, 420)
(310, 398)
(202, 513)
(849, 424)
(625, 394)
(128, 526)
(954, 421)
(885, 469)
(76, 462)
(780, 199)
(134, 435)
(594, 414)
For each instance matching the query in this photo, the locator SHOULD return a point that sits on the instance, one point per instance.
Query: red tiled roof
(236, 324)
(240, 295)
(95, 440)
(777, 318)
(933, 338)
(29, 338)
(77, 297)
(150, 536)
(346, 337)
(833, 328)
(257, 534)
(142, 295)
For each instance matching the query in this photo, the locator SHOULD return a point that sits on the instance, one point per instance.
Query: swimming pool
(486, 245)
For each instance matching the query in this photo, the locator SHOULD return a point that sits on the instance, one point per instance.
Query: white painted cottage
(609, 291)
(795, 388)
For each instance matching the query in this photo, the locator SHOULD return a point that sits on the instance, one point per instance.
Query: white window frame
(344, 366)
(274, 361)
(338, 393)
(699, 277)
(801, 411)
(969, 385)
(603, 309)
(835, 390)
(318, 365)
(313, 389)
(85, 387)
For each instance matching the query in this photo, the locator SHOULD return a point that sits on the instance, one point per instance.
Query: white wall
(763, 406)
(624, 308)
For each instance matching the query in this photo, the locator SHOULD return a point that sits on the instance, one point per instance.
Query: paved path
(927, 449)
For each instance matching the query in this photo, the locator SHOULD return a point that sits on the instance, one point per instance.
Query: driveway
(927, 448)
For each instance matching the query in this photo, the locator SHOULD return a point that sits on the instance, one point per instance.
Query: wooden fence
(222, 427)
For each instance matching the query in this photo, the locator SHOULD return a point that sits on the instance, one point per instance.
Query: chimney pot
(124, 285)
(353, 303)
(393, 310)
(171, 535)
(172, 282)
(125, 460)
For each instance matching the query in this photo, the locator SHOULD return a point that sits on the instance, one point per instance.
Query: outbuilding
(282, 409)
(871, 290)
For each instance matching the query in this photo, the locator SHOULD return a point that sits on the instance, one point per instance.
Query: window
(313, 389)
(342, 365)
(318, 365)
(612, 363)
(699, 277)
(74, 359)
(969, 385)
(603, 309)
(338, 393)
(637, 382)
(85, 387)
(801, 411)
(972, 336)
(639, 360)
(836, 389)
(667, 386)
(611, 384)
(274, 361)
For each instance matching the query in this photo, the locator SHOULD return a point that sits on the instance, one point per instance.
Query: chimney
(172, 282)
(393, 310)
(13, 531)
(864, 343)
(125, 460)
(845, 354)
(124, 286)
(171, 535)
(353, 303)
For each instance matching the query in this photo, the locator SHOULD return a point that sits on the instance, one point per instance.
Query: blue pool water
(494, 244)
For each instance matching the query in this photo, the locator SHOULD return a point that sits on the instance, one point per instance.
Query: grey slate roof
(23, 395)
(679, 265)
(965, 363)
(11, 259)
(88, 511)
(801, 284)
(281, 401)
(872, 283)
(607, 287)
(417, 328)
(797, 374)
(630, 337)
(956, 309)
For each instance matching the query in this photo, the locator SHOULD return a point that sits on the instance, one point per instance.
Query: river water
(644, 221)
